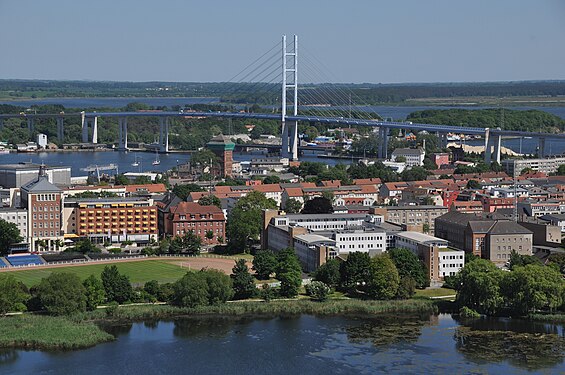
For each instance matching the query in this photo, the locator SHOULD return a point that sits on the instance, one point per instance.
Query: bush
(112, 308)
(13, 294)
(267, 293)
(62, 293)
(207, 287)
(468, 313)
(318, 291)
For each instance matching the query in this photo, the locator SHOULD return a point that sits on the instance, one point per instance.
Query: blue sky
(212, 40)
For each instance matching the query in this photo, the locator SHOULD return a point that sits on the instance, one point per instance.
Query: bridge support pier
(284, 146)
(1, 124)
(123, 133)
(487, 146)
(60, 128)
(497, 147)
(30, 124)
(541, 147)
(163, 134)
(293, 142)
(86, 123)
(383, 143)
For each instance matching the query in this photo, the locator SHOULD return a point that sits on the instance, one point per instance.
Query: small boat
(156, 161)
(135, 163)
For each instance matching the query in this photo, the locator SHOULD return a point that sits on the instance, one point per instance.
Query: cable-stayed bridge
(275, 75)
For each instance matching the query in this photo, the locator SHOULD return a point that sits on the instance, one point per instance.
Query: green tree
(206, 287)
(190, 291)
(400, 159)
(533, 287)
(429, 164)
(210, 200)
(84, 246)
(473, 184)
(264, 264)
(62, 293)
(355, 271)
(293, 206)
(383, 279)
(289, 272)
(183, 191)
(243, 284)
(203, 158)
(318, 205)
(245, 221)
(189, 243)
(406, 288)
(530, 170)
(479, 287)
(318, 291)
(13, 294)
(152, 288)
(328, 273)
(518, 260)
(561, 170)
(94, 292)
(116, 285)
(9, 235)
(408, 265)
(121, 179)
(414, 174)
(272, 179)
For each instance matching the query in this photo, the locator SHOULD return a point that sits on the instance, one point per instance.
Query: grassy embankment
(80, 331)
(49, 333)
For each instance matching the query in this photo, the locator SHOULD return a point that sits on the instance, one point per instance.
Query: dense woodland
(365, 93)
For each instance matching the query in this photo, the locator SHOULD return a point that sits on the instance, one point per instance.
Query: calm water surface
(298, 345)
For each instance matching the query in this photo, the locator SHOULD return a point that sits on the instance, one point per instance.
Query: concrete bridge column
(487, 146)
(123, 133)
(294, 140)
(163, 134)
(95, 129)
(284, 146)
(30, 124)
(60, 128)
(84, 122)
(1, 124)
(497, 147)
(541, 147)
(383, 143)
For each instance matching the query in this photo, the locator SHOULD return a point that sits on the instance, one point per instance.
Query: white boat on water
(156, 161)
(135, 163)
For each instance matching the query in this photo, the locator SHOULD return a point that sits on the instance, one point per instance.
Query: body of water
(110, 102)
(124, 160)
(396, 112)
(303, 345)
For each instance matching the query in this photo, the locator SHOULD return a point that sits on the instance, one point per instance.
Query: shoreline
(80, 331)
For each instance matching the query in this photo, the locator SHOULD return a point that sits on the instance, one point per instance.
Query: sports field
(139, 271)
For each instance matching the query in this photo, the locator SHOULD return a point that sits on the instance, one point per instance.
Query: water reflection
(202, 328)
(8, 356)
(527, 350)
(385, 331)
(118, 329)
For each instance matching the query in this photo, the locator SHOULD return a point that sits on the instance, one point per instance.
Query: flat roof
(309, 237)
(420, 237)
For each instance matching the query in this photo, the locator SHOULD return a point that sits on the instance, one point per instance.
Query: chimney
(42, 172)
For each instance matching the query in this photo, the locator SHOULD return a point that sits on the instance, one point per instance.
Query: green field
(139, 272)
(435, 292)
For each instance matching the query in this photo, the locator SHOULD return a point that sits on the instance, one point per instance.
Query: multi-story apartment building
(44, 203)
(111, 219)
(414, 156)
(17, 216)
(207, 222)
(546, 165)
(484, 236)
(424, 215)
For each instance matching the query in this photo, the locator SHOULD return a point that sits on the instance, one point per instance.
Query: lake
(302, 345)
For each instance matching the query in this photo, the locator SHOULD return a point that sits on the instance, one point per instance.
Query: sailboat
(135, 163)
(156, 161)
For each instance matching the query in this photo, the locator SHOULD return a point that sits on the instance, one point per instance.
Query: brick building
(181, 217)
(223, 147)
(44, 202)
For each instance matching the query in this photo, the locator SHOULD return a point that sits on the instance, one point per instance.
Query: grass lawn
(139, 272)
(437, 292)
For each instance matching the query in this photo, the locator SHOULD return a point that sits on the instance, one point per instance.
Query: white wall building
(413, 156)
(17, 216)
(450, 262)
(411, 240)
(42, 140)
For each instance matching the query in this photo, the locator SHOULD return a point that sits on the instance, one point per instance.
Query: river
(303, 345)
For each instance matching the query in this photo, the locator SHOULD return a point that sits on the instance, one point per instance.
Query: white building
(372, 241)
(17, 216)
(412, 240)
(413, 156)
(42, 140)
(450, 262)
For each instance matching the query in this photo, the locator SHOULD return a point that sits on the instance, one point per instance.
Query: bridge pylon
(289, 81)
